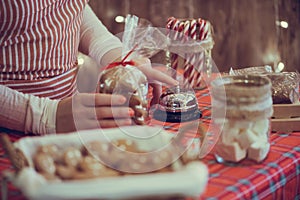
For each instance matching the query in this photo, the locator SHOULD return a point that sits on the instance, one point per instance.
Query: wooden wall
(245, 32)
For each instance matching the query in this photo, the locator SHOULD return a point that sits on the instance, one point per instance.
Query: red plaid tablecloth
(277, 177)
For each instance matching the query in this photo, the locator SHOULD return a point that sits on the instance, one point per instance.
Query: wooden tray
(286, 117)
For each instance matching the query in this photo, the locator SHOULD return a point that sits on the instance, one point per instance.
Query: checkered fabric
(277, 177)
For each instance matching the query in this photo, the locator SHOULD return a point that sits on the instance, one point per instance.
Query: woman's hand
(89, 111)
(155, 77)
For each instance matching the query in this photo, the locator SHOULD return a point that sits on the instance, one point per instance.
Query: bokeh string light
(279, 24)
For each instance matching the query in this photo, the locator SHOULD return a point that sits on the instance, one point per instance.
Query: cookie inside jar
(130, 82)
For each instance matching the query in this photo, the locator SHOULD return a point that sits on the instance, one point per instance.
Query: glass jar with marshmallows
(245, 127)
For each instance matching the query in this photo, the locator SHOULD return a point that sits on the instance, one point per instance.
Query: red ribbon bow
(123, 62)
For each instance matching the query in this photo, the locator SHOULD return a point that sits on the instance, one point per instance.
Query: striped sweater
(39, 41)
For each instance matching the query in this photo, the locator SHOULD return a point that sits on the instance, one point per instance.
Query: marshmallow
(229, 134)
(232, 152)
(258, 151)
(241, 124)
(261, 127)
(246, 138)
(240, 137)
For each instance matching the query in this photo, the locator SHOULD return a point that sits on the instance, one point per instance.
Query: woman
(39, 43)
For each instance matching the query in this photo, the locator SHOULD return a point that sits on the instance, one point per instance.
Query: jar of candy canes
(245, 128)
(190, 49)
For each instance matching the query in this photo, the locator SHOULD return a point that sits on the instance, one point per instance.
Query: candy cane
(204, 28)
(170, 22)
(203, 33)
(187, 62)
(177, 27)
(193, 34)
(199, 66)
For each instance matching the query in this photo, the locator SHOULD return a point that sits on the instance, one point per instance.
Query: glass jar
(130, 82)
(245, 127)
(190, 49)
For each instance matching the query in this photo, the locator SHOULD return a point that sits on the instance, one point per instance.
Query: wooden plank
(286, 110)
(285, 125)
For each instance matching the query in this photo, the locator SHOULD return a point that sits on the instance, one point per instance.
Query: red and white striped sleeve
(26, 112)
(96, 41)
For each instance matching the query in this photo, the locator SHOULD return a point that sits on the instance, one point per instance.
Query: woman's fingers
(95, 100)
(154, 74)
(88, 111)
(157, 90)
(102, 117)
(113, 112)
(144, 64)
(101, 106)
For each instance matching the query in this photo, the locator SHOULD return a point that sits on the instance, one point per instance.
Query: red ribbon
(123, 62)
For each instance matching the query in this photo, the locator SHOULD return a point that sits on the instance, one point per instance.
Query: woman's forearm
(27, 113)
(96, 41)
